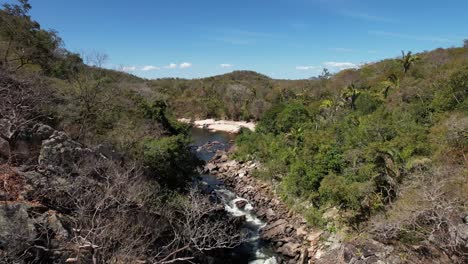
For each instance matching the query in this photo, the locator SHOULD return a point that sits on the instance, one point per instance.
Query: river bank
(287, 232)
(228, 126)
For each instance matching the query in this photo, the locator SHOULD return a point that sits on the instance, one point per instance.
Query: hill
(375, 154)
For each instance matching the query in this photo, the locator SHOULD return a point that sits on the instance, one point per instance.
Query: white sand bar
(220, 125)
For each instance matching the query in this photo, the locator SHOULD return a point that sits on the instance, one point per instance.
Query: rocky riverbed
(285, 230)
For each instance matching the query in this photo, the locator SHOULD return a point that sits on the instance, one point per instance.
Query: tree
(465, 43)
(350, 94)
(23, 40)
(325, 75)
(407, 60)
(393, 81)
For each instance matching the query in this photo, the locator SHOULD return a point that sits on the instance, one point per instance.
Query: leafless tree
(95, 59)
(121, 216)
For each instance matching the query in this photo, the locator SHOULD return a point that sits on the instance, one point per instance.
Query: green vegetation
(94, 105)
(355, 140)
(385, 144)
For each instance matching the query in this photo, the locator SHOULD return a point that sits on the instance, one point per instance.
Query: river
(254, 250)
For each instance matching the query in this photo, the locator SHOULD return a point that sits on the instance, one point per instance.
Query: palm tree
(392, 81)
(350, 94)
(407, 60)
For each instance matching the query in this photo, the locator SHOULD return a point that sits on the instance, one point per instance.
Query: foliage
(170, 161)
(23, 41)
(353, 147)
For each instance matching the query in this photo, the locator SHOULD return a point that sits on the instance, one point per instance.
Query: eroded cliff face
(297, 242)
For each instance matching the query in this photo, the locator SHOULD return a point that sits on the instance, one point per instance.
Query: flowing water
(254, 250)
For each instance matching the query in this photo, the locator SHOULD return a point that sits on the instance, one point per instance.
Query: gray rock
(462, 231)
(224, 158)
(4, 148)
(59, 153)
(303, 259)
(289, 249)
(274, 230)
(21, 150)
(211, 167)
(42, 132)
(55, 225)
(270, 214)
(17, 230)
(289, 230)
(6, 128)
(241, 204)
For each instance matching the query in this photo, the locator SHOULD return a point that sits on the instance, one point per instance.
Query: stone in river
(241, 204)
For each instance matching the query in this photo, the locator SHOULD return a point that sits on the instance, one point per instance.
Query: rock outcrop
(29, 229)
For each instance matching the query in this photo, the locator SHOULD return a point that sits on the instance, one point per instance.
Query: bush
(170, 160)
(366, 103)
(452, 94)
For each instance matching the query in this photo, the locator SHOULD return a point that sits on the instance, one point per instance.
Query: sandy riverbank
(220, 125)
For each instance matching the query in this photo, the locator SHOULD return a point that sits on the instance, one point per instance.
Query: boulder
(290, 249)
(224, 158)
(301, 232)
(274, 230)
(270, 214)
(210, 167)
(241, 204)
(4, 148)
(17, 231)
(462, 233)
(42, 132)
(59, 153)
(21, 150)
(314, 236)
(6, 129)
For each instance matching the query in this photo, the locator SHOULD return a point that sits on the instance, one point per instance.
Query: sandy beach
(220, 125)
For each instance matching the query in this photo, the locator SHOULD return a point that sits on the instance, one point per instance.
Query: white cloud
(185, 65)
(171, 66)
(149, 68)
(340, 65)
(305, 68)
(129, 68)
(225, 65)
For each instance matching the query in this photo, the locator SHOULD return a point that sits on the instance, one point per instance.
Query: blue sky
(288, 39)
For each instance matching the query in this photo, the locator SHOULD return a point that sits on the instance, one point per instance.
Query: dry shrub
(429, 212)
(120, 216)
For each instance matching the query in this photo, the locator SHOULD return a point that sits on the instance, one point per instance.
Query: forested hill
(376, 153)
(246, 95)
